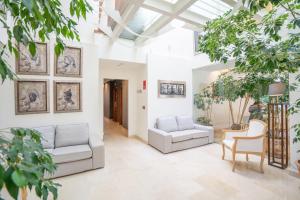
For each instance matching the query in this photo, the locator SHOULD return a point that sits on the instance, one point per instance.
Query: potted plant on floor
(24, 164)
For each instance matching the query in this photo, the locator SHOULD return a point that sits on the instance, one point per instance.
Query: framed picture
(69, 63)
(67, 97)
(171, 89)
(33, 65)
(31, 96)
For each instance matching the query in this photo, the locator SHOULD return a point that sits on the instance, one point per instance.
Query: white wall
(168, 68)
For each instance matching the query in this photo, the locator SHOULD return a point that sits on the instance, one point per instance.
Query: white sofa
(73, 149)
(177, 133)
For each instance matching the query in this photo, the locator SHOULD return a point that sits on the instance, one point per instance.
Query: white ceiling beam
(178, 9)
(159, 6)
(230, 2)
(166, 8)
(191, 17)
(128, 14)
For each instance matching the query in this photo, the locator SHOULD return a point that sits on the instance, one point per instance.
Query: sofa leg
(223, 148)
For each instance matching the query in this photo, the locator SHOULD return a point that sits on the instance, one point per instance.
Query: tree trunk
(24, 193)
(231, 112)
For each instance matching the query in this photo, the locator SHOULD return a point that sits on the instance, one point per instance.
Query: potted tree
(24, 164)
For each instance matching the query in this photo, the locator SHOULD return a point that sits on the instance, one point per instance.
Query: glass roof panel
(142, 19)
(211, 8)
(171, 1)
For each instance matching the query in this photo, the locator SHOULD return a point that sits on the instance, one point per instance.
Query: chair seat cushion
(229, 143)
(71, 153)
(179, 136)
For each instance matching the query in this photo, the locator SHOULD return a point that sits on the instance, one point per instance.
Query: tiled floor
(136, 171)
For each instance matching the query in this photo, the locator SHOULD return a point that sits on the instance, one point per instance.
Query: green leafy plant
(37, 18)
(204, 101)
(232, 86)
(256, 43)
(24, 164)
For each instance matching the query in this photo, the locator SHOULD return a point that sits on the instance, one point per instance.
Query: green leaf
(19, 179)
(11, 187)
(18, 33)
(32, 48)
(1, 176)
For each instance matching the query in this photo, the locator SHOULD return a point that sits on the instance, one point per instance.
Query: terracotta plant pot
(236, 126)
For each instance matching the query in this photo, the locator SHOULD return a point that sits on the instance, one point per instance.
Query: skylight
(143, 19)
(171, 1)
(210, 9)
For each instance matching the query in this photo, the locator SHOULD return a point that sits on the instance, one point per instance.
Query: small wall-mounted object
(171, 89)
(144, 84)
(139, 91)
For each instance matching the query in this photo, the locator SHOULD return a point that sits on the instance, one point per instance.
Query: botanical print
(171, 89)
(69, 63)
(31, 97)
(32, 65)
(67, 96)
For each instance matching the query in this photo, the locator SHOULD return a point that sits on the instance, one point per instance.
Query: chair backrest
(256, 128)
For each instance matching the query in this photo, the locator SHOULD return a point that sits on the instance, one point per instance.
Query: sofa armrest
(97, 147)
(160, 140)
(209, 129)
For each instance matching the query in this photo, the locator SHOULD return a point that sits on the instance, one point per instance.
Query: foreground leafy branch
(24, 164)
(26, 20)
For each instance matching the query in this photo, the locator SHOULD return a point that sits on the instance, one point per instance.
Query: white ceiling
(139, 20)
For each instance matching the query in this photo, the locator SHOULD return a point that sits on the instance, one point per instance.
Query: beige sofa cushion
(71, 153)
(71, 134)
(185, 123)
(179, 136)
(48, 135)
(167, 124)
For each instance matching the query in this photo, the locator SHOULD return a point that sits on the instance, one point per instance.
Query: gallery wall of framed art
(32, 93)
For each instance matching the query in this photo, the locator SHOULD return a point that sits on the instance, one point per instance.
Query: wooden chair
(248, 141)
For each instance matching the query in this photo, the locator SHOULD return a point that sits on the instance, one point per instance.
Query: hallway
(112, 129)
